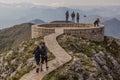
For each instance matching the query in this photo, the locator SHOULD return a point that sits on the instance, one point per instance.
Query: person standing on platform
(96, 23)
(67, 16)
(77, 17)
(73, 16)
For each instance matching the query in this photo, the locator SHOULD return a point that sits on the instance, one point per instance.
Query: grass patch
(20, 73)
(55, 74)
(86, 62)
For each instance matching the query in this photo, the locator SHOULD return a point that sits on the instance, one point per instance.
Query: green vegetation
(50, 76)
(59, 74)
(55, 74)
(20, 73)
(111, 46)
(69, 45)
(5, 43)
(13, 36)
(86, 62)
(77, 45)
(22, 58)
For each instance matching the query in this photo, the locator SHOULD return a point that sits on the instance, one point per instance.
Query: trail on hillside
(61, 56)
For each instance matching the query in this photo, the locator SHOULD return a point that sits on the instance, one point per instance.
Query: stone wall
(41, 31)
(94, 34)
(81, 30)
(66, 25)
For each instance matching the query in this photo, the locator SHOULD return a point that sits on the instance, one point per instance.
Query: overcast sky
(67, 2)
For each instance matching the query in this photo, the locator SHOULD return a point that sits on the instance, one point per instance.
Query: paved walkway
(61, 57)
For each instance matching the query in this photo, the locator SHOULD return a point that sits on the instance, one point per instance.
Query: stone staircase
(61, 56)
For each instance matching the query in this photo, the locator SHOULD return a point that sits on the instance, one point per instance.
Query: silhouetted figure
(67, 16)
(77, 17)
(44, 57)
(73, 16)
(85, 16)
(96, 23)
(37, 53)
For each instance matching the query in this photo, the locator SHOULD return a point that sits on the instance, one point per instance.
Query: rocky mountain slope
(11, 37)
(91, 60)
(19, 60)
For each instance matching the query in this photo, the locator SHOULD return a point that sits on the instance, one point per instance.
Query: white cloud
(65, 2)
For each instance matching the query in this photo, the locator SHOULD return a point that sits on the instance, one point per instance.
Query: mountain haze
(112, 27)
(37, 21)
(24, 12)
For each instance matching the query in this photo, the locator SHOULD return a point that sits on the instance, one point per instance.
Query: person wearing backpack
(67, 16)
(73, 16)
(77, 17)
(37, 53)
(96, 22)
(44, 57)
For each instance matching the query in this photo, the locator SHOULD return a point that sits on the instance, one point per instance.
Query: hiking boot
(47, 67)
(41, 69)
(37, 70)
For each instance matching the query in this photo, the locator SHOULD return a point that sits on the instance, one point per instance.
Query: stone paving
(61, 57)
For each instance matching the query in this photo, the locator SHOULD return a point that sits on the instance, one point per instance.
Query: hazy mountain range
(37, 21)
(11, 14)
(112, 27)
(28, 13)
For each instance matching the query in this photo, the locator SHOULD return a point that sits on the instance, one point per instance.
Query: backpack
(43, 51)
(78, 15)
(37, 52)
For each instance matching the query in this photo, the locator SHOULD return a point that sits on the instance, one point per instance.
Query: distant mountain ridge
(112, 27)
(13, 36)
(37, 21)
(25, 12)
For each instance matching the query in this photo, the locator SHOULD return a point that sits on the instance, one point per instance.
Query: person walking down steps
(44, 57)
(67, 16)
(77, 17)
(37, 53)
(73, 16)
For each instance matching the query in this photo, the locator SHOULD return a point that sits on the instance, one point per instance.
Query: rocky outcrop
(18, 60)
(99, 68)
(92, 61)
(82, 30)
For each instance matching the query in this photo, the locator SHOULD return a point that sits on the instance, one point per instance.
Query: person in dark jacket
(73, 16)
(96, 23)
(44, 57)
(77, 17)
(67, 16)
(37, 53)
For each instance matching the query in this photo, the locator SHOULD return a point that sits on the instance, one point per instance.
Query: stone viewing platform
(50, 32)
(69, 28)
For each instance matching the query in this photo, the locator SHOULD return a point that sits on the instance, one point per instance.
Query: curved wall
(94, 34)
(41, 31)
(81, 30)
(66, 25)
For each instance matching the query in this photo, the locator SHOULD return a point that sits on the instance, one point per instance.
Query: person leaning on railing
(96, 23)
